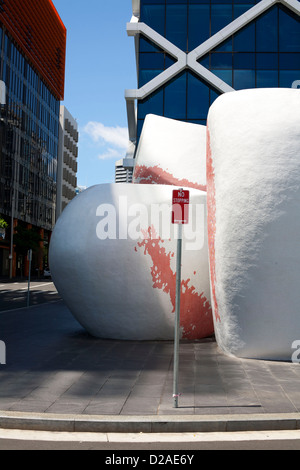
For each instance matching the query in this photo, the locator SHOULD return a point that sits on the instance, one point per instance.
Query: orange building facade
(39, 31)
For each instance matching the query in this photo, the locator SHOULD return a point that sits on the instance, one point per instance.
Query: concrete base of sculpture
(253, 221)
(113, 259)
(171, 152)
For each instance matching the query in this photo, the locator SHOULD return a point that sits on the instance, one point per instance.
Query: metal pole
(177, 317)
(11, 254)
(28, 292)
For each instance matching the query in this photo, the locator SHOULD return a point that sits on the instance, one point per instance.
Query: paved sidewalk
(55, 367)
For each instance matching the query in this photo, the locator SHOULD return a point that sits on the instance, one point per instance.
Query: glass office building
(32, 68)
(209, 47)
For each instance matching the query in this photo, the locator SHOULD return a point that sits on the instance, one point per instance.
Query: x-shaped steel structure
(188, 60)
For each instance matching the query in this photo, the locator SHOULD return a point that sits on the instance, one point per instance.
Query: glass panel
(169, 61)
(244, 60)
(239, 10)
(146, 75)
(175, 98)
(152, 2)
(221, 1)
(225, 75)
(289, 32)
(221, 60)
(287, 77)
(6, 45)
(153, 104)
(154, 16)
(152, 61)
(198, 98)
(289, 61)
(244, 41)
(176, 25)
(198, 25)
(213, 96)
(221, 16)
(204, 61)
(201, 122)
(267, 78)
(267, 31)
(243, 79)
(148, 46)
(226, 46)
(267, 61)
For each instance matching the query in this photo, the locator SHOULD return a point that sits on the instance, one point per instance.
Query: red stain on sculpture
(195, 310)
(211, 224)
(156, 175)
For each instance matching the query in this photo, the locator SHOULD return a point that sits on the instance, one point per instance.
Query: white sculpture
(171, 152)
(113, 257)
(253, 185)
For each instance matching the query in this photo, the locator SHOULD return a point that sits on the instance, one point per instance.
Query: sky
(100, 65)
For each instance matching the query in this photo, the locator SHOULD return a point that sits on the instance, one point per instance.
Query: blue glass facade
(265, 53)
(29, 140)
(262, 55)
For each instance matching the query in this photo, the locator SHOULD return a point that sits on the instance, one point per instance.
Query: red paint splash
(195, 310)
(156, 175)
(211, 224)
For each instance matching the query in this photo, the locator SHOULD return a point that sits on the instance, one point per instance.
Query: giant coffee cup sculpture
(253, 190)
(113, 260)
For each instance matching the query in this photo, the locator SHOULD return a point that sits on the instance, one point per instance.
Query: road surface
(156, 448)
(14, 294)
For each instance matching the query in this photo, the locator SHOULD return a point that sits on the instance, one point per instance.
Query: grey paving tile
(66, 408)
(31, 406)
(137, 405)
(147, 391)
(104, 408)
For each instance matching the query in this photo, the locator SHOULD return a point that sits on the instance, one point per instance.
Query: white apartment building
(122, 174)
(67, 160)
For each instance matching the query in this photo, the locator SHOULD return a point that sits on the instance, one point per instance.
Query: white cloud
(115, 136)
(111, 153)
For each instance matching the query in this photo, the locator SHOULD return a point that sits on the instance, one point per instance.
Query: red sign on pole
(180, 206)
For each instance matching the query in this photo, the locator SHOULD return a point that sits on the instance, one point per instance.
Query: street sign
(180, 216)
(180, 206)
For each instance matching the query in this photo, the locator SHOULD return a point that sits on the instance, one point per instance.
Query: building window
(265, 53)
(32, 121)
(186, 98)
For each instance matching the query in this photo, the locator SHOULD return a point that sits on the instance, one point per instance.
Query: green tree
(3, 227)
(3, 223)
